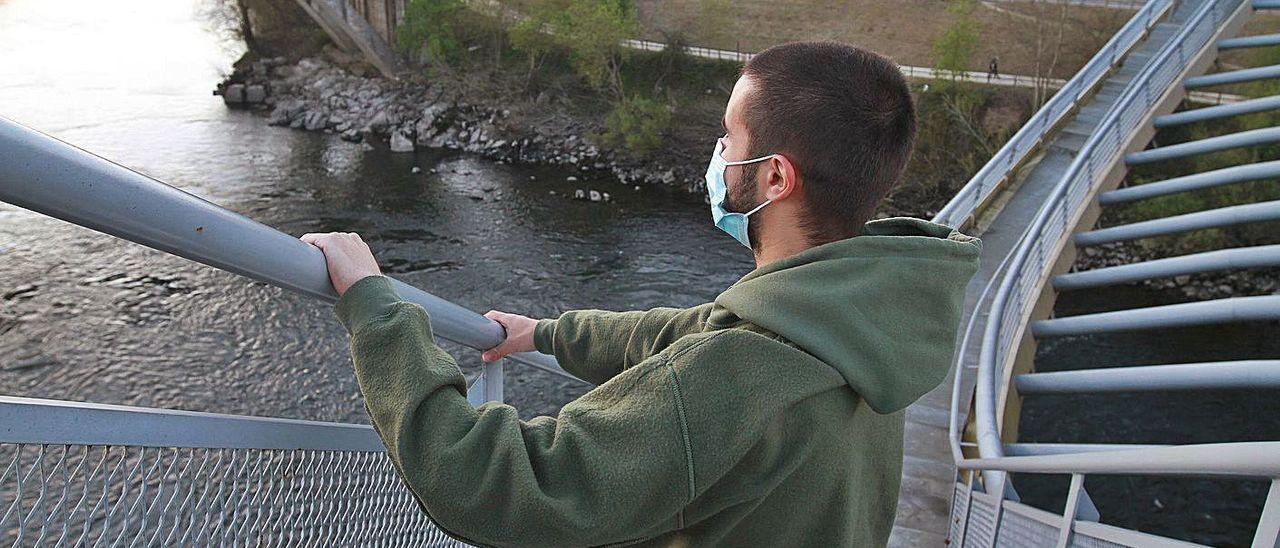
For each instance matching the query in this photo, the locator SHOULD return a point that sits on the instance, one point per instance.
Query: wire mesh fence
(86, 495)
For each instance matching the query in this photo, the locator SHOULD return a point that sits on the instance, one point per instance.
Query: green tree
(430, 28)
(533, 35)
(593, 31)
(954, 49)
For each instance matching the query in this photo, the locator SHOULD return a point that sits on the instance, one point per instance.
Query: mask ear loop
(720, 153)
(758, 208)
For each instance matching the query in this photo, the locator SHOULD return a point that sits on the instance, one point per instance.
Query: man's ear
(781, 178)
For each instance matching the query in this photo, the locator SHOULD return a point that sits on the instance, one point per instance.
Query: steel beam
(49, 176)
(1242, 139)
(1261, 40)
(1213, 218)
(1266, 4)
(1261, 104)
(1196, 181)
(1028, 449)
(1220, 311)
(1237, 459)
(1209, 261)
(1152, 378)
(1232, 77)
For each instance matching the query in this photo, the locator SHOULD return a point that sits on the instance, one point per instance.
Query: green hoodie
(772, 416)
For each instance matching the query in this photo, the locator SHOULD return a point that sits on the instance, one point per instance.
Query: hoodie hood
(882, 308)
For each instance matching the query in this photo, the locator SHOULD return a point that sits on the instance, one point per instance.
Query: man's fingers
(497, 352)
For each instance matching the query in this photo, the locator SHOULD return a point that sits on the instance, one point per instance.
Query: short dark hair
(844, 117)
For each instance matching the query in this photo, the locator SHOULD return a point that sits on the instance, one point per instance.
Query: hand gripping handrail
(46, 175)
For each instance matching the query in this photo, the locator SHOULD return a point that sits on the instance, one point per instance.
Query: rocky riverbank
(323, 93)
(1209, 285)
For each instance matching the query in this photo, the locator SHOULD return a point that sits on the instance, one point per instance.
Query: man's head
(840, 123)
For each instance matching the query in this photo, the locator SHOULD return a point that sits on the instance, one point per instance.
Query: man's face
(741, 192)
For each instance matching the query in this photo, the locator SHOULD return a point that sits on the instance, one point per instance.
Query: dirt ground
(903, 30)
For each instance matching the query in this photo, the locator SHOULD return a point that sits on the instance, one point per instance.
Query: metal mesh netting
(80, 495)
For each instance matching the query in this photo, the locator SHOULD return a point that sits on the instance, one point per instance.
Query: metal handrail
(55, 178)
(1015, 292)
(1255, 459)
(1029, 137)
(56, 422)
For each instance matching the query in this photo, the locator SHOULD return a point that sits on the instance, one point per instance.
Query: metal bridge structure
(74, 473)
(1051, 208)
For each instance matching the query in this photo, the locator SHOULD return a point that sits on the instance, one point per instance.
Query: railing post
(1268, 533)
(493, 376)
(489, 386)
(1079, 506)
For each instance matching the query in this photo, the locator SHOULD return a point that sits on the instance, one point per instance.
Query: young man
(771, 416)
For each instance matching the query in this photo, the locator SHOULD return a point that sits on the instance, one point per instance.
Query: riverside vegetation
(548, 82)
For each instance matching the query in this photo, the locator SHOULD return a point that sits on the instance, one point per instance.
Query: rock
(233, 94)
(400, 143)
(595, 196)
(351, 135)
(579, 194)
(476, 195)
(606, 196)
(366, 147)
(1182, 280)
(255, 93)
(316, 120)
(416, 169)
(571, 178)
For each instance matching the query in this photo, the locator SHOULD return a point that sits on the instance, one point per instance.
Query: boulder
(400, 143)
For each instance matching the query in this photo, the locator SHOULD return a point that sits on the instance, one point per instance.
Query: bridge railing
(81, 472)
(997, 171)
(1014, 295)
(78, 474)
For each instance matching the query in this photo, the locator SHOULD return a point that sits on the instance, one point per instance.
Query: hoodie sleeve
(596, 345)
(613, 466)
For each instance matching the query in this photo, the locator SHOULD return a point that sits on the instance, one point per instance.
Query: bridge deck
(928, 472)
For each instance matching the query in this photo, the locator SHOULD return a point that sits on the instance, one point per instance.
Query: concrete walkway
(926, 73)
(928, 469)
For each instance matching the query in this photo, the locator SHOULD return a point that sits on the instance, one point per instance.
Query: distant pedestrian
(993, 69)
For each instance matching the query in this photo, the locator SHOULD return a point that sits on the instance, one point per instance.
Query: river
(87, 317)
(113, 322)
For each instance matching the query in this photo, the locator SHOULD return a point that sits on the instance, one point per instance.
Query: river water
(87, 317)
(109, 321)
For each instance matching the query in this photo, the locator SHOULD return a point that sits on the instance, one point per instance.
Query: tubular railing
(83, 473)
(1001, 167)
(978, 514)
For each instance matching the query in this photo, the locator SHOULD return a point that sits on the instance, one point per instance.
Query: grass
(903, 30)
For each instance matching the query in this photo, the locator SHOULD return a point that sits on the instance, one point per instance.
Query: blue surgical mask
(733, 223)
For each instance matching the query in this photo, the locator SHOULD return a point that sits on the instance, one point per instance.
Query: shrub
(637, 125)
